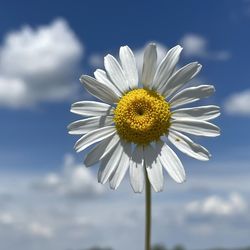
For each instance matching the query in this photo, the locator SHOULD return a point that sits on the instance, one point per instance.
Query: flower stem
(147, 214)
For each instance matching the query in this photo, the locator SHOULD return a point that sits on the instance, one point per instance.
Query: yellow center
(142, 116)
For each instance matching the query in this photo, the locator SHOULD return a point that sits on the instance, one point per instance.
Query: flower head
(137, 118)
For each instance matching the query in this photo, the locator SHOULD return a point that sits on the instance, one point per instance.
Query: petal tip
(158, 190)
(124, 47)
(181, 181)
(199, 67)
(179, 47)
(212, 88)
(153, 44)
(107, 56)
(137, 191)
(81, 78)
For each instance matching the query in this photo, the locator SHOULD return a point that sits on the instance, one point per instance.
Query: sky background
(47, 199)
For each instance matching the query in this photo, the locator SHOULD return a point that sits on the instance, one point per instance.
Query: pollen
(142, 116)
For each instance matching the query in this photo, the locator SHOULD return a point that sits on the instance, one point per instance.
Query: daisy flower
(139, 116)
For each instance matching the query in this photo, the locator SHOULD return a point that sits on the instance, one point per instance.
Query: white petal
(129, 66)
(95, 154)
(102, 77)
(154, 168)
(109, 164)
(101, 150)
(116, 73)
(179, 78)
(166, 67)
(122, 167)
(86, 125)
(194, 127)
(136, 170)
(149, 65)
(187, 146)
(171, 162)
(99, 90)
(203, 113)
(191, 94)
(91, 108)
(93, 137)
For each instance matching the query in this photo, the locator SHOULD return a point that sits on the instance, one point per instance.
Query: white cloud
(39, 64)
(44, 219)
(96, 60)
(40, 230)
(6, 218)
(12, 91)
(20, 223)
(196, 45)
(76, 181)
(215, 205)
(238, 103)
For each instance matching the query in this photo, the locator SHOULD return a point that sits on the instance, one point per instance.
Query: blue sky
(44, 47)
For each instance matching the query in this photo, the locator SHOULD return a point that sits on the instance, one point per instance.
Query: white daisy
(137, 118)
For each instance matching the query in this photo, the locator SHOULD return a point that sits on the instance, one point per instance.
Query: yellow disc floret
(142, 116)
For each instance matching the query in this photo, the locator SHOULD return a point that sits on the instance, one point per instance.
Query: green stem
(147, 213)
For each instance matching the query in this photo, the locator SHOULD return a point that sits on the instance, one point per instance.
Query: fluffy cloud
(19, 223)
(40, 230)
(215, 205)
(76, 181)
(39, 64)
(238, 103)
(6, 218)
(196, 45)
(96, 60)
(46, 218)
